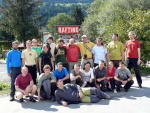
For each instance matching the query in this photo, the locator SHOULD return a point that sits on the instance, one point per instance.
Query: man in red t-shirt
(72, 54)
(133, 55)
(24, 85)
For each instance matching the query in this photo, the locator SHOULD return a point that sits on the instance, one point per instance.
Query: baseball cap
(83, 36)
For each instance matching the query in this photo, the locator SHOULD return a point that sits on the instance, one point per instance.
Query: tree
(78, 15)
(20, 18)
(59, 19)
(120, 16)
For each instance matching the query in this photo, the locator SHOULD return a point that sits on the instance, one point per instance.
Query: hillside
(53, 7)
(68, 1)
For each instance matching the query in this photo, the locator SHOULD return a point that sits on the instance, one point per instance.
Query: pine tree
(20, 18)
(78, 15)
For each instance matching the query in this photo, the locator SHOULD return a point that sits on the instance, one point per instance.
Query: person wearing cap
(52, 46)
(38, 51)
(72, 54)
(60, 53)
(115, 51)
(86, 50)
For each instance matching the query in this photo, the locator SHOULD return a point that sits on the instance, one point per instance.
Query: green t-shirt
(38, 51)
(62, 56)
(115, 49)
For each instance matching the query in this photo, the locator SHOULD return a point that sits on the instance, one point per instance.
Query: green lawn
(145, 71)
(4, 88)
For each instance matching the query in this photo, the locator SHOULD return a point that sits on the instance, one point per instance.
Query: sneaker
(115, 91)
(126, 90)
(140, 86)
(53, 99)
(118, 90)
(11, 98)
(32, 99)
(21, 100)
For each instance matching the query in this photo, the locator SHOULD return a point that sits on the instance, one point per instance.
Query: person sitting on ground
(74, 94)
(77, 77)
(89, 75)
(24, 85)
(46, 84)
(100, 74)
(61, 73)
(110, 76)
(123, 77)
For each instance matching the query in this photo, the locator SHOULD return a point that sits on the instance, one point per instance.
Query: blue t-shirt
(61, 74)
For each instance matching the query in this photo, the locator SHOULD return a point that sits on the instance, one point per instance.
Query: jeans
(126, 87)
(15, 71)
(32, 71)
(132, 62)
(43, 91)
(112, 82)
(90, 84)
(103, 84)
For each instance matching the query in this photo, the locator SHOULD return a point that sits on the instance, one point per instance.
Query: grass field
(4, 88)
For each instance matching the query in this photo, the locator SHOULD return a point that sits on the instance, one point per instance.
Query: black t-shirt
(100, 73)
(46, 58)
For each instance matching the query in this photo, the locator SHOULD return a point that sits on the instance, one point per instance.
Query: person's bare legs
(32, 90)
(19, 96)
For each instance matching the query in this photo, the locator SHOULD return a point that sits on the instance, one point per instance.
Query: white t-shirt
(99, 53)
(52, 45)
(88, 75)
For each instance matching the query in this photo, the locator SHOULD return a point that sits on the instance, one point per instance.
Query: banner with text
(68, 29)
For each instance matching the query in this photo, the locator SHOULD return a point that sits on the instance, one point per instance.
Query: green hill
(68, 1)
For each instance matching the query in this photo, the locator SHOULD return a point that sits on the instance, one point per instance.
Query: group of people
(102, 68)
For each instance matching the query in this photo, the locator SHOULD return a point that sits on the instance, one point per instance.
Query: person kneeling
(24, 85)
(74, 94)
(123, 77)
(46, 84)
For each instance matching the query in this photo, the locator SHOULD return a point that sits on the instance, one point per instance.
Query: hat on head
(83, 36)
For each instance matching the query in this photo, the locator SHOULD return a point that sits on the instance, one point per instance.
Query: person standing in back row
(13, 65)
(38, 51)
(99, 52)
(29, 60)
(72, 54)
(133, 55)
(52, 48)
(60, 53)
(86, 50)
(115, 51)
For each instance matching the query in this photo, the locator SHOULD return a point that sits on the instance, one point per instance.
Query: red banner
(68, 29)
